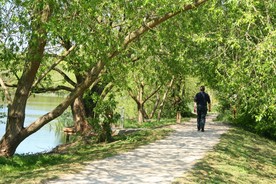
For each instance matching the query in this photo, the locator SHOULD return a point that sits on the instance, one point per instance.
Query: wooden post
(67, 137)
(68, 131)
(178, 117)
(234, 112)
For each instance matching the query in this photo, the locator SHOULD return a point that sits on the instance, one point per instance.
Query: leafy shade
(236, 55)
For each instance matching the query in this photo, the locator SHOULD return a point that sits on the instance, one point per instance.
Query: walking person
(200, 106)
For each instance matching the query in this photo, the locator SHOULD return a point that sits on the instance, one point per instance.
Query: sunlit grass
(37, 168)
(151, 124)
(240, 157)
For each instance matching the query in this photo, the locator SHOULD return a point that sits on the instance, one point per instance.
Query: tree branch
(150, 25)
(53, 66)
(107, 89)
(6, 92)
(133, 96)
(52, 89)
(155, 91)
(66, 77)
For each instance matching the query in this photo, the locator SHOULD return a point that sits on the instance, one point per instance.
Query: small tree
(105, 116)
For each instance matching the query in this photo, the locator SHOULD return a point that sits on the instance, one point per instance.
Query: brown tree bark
(140, 101)
(156, 104)
(81, 124)
(81, 110)
(15, 133)
(178, 117)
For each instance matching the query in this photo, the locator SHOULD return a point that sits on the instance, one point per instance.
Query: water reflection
(47, 137)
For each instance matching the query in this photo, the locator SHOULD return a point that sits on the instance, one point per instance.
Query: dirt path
(158, 162)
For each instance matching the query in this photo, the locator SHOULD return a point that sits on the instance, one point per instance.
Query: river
(47, 137)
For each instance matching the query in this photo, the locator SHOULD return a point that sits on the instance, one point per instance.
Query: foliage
(230, 44)
(239, 59)
(240, 157)
(105, 117)
(181, 97)
(65, 120)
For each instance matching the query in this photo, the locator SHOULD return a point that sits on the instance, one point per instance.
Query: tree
(144, 81)
(160, 57)
(42, 24)
(239, 60)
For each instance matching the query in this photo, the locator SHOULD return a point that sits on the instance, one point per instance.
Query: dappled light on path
(158, 162)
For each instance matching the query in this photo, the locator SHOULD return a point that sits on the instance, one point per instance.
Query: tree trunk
(164, 98)
(157, 101)
(81, 125)
(9, 143)
(140, 113)
(15, 133)
(141, 103)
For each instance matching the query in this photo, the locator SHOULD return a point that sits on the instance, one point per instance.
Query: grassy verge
(240, 157)
(152, 124)
(36, 168)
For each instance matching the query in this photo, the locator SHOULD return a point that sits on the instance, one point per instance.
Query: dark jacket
(202, 98)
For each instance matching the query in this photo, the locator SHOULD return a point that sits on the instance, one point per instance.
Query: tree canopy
(238, 59)
(229, 44)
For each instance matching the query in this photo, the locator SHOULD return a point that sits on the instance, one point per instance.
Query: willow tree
(98, 38)
(238, 59)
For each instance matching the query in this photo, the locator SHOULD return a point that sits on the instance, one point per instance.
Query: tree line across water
(147, 50)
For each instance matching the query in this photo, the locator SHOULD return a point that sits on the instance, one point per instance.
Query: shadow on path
(159, 162)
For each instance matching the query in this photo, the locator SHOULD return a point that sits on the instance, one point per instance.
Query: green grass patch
(240, 157)
(71, 159)
(152, 123)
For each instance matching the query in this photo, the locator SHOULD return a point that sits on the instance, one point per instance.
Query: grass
(241, 157)
(36, 168)
(152, 123)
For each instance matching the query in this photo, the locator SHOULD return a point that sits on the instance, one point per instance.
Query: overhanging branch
(150, 25)
(66, 53)
(52, 89)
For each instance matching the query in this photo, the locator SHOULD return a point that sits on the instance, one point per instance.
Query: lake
(47, 137)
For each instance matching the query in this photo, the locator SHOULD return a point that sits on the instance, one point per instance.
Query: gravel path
(160, 162)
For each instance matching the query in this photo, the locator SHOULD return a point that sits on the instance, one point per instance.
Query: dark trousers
(201, 116)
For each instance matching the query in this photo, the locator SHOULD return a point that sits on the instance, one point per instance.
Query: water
(47, 137)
